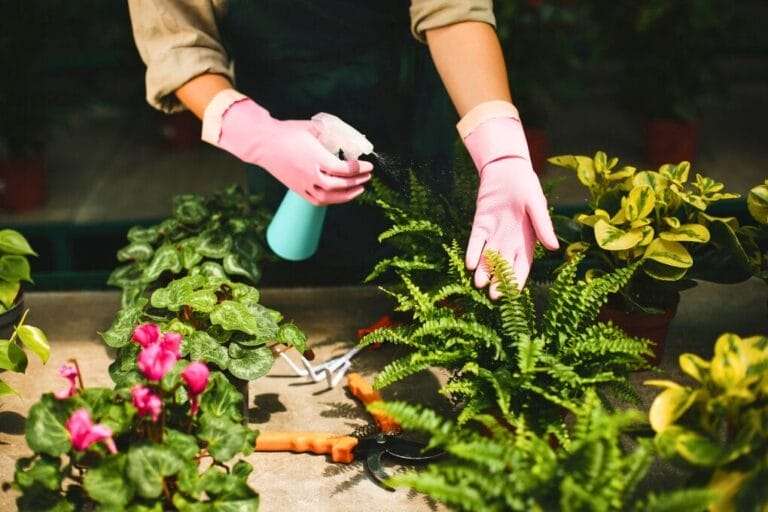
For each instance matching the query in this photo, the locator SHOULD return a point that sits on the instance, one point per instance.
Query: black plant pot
(9, 318)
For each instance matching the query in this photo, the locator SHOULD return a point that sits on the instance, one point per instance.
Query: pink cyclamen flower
(84, 433)
(155, 361)
(146, 334)
(195, 378)
(146, 401)
(69, 372)
(172, 342)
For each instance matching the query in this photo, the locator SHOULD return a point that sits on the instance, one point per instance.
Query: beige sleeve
(178, 40)
(428, 14)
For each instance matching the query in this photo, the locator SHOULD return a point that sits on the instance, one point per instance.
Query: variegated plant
(718, 426)
(655, 217)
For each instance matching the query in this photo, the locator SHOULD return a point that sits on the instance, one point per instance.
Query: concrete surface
(297, 482)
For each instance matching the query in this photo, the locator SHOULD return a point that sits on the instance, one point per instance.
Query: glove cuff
(213, 117)
(494, 139)
(482, 113)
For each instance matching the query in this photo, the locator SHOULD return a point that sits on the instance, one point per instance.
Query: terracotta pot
(538, 146)
(182, 130)
(642, 325)
(670, 141)
(23, 184)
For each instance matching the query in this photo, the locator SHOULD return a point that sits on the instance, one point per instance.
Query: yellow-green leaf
(672, 222)
(698, 449)
(730, 362)
(648, 233)
(651, 179)
(575, 248)
(662, 272)
(5, 389)
(757, 202)
(639, 223)
(623, 173)
(694, 366)
(669, 405)
(8, 292)
(677, 173)
(660, 383)
(704, 218)
(583, 165)
(669, 253)
(612, 238)
(589, 220)
(725, 485)
(687, 233)
(639, 203)
(35, 340)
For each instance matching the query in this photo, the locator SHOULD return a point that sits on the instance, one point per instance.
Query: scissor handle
(340, 448)
(363, 391)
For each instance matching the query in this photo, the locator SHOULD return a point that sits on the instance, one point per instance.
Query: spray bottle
(294, 232)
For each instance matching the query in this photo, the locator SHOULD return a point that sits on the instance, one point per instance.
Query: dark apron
(355, 59)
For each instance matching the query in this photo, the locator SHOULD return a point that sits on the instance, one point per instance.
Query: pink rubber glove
(511, 209)
(289, 150)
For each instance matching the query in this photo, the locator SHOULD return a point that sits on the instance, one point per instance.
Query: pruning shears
(386, 442)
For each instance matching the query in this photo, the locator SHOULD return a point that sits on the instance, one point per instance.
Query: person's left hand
(511, 215)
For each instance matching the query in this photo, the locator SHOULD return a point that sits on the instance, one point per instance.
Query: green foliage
(158, 465)
(14, 266)
(505, 357)
(13, 358)
(222, 323)
(494, 465)
(220, 235)
(718, 425)
(655, 218)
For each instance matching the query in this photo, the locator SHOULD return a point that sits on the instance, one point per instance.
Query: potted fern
(499, 465)
(163, 443)
(715, 427)
(14, 268)
(654, 219)
(219, 235)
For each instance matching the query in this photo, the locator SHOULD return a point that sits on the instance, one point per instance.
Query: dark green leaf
(107, 484)
(44, 430)
(222, 399)
(140, 235)
(44, 471)
(190, 257)
(203, 347)
(214, 244)
(12, 242)
(292, 336)
(184, 445)
(135, 252)
(226, 438)
(188, 291)
(166, 258)
(190, 209)
(123, 369)
(119, 333)
(148, 465)
(251, 319)
(253, 364)
(234, 265)
(127, 275)
(209, 269)
(12, 357)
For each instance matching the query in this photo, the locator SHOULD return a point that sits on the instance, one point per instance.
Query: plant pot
(670, 141)
(23, 184)
(10, 317)
(182, 130)
(242, 387)
(538, 147)
(642, 325)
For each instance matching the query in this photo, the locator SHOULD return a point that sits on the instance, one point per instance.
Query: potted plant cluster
(222, 235)
(14, 268)
(655, 219)
(668, 53)
(716, 427)
(161, 443)
(12, 356)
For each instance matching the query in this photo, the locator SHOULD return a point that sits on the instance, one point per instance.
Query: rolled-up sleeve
(428, 14)
(178, 40)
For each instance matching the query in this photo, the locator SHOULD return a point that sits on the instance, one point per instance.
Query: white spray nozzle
(336, 135)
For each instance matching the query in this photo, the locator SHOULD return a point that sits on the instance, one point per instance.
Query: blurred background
(83, 157)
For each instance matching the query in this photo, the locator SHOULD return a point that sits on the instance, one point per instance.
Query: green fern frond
(685, 500)
(400, 264)
(414, 363)
(419, 227)
(475, 333)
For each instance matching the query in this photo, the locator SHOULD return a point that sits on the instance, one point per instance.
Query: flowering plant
(161, 443)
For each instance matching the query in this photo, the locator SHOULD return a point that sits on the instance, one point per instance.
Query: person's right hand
(289, 150)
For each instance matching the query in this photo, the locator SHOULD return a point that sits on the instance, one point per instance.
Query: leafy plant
(221, 235)
(755, 238)
(222, 323)
(718, 426)
(497, 466)
(145, 448)
(14, 266)
(505, 358)
(13, 358)
(656, 219)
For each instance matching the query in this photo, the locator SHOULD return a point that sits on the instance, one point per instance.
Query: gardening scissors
(345, 449)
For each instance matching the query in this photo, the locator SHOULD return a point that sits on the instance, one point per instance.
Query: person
(293, 58)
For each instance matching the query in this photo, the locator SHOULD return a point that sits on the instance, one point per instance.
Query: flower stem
(79, 374)
(21, 322)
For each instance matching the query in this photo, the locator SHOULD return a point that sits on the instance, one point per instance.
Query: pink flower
(195, 378)
(84, 433)
(155, 361)
(69, 372)
(146, 401)
(146, 334)
(172, 343)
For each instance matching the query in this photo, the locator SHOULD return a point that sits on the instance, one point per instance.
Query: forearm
(470, 62)
(198, 92)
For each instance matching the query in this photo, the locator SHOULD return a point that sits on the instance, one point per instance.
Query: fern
(495, 466)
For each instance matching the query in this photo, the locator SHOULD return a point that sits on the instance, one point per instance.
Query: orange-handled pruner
(363, 391)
